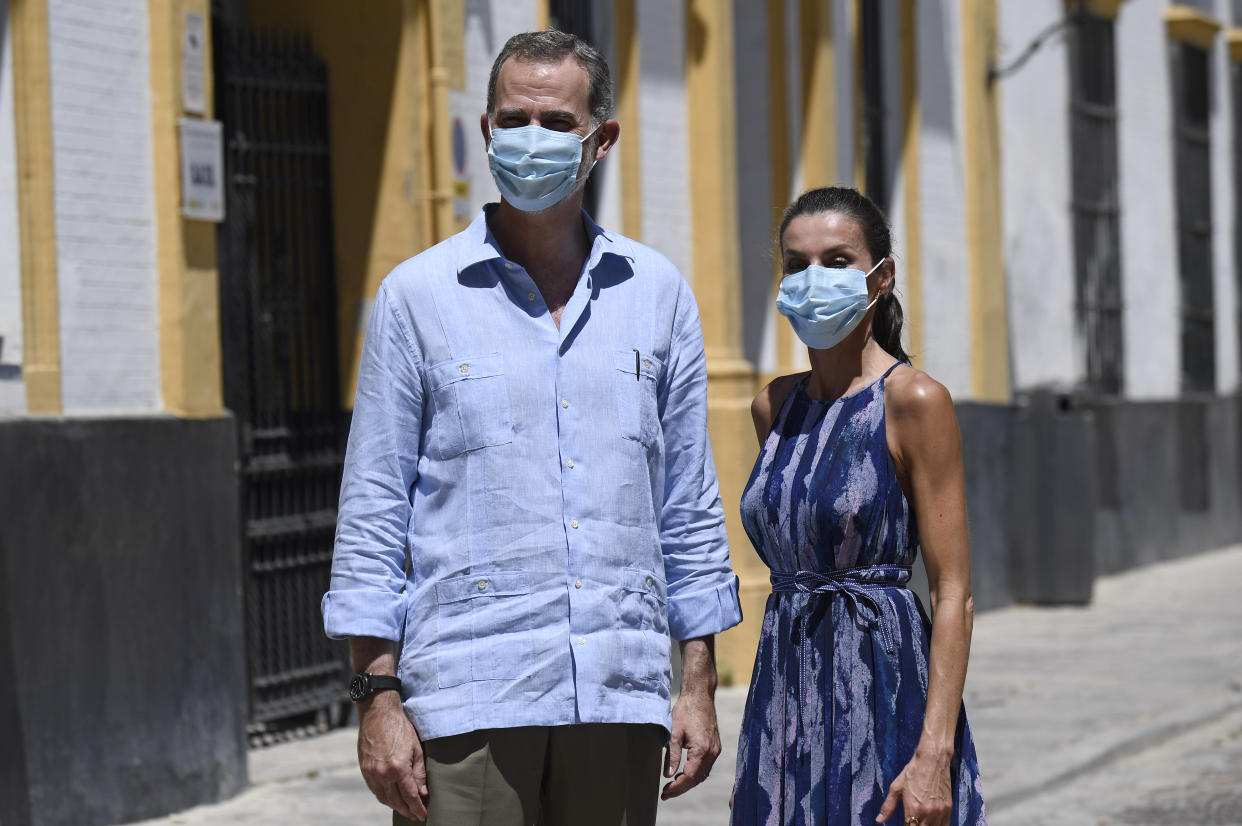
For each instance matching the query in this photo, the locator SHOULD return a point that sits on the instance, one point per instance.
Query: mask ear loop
(868, 275)
(587, 173)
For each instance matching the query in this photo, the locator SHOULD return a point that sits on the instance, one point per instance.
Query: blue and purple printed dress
(840, 684)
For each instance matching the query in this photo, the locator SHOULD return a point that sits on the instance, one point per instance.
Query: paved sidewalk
(1127, 711)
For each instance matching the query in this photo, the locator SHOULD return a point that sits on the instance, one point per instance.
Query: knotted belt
(860, 587)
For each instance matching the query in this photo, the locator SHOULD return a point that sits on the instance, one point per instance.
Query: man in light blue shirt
(530, 426)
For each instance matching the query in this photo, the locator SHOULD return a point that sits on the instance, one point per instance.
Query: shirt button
(465, 368)
(530, 296)
(648, 582)
(564, 402)
(573, 523)
(570, 463)
(482, 584)
(581, 640)
(646, 362)
(577, 583)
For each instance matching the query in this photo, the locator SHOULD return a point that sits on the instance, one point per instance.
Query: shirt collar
(479, 245)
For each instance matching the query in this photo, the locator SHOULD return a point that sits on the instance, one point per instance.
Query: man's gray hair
(553, 46)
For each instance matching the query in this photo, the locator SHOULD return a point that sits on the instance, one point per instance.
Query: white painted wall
(1224, 168)
(1148, 202)
(489, 23)
(1045, 347)
(12, 387)
(663, 131)
(942, 199)
(105, 213)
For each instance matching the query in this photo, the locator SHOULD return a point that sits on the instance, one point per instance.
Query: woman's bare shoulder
(911, 393)
(769, 400)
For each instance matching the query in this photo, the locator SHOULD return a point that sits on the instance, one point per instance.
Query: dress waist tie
(860, 587)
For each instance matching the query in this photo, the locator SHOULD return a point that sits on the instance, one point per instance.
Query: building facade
(1063, 181)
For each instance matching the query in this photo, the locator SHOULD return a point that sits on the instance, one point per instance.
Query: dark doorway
(281, 376)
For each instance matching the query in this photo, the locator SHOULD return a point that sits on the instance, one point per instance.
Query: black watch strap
(363, 685)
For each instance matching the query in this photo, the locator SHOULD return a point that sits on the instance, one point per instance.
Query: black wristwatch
(364, 685)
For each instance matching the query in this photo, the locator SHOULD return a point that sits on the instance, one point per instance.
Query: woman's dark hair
(888, 319)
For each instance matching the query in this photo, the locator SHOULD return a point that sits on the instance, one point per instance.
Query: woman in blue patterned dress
(855, 708)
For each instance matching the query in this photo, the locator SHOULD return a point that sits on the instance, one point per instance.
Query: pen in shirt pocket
(637, 370)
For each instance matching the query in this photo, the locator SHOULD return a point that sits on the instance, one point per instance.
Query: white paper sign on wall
(202, 169)
(194, 64)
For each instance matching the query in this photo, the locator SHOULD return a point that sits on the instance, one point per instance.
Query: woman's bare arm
(927, 450)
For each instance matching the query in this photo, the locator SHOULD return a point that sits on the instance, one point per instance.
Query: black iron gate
(278, 308)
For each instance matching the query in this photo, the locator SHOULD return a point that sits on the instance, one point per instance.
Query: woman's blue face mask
(824, 305)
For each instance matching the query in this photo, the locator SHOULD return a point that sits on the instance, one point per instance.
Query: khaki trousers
(593, 774)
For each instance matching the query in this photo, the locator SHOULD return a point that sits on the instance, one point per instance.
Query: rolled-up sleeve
(702, 588)
(365, 596)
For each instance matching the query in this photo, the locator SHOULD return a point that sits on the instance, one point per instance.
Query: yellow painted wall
(989, 330)
(715, 251)
(32, 116)
(375, 53)
(189, 302)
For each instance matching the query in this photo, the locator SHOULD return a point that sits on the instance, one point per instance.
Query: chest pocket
(637, 377)
(472, 405)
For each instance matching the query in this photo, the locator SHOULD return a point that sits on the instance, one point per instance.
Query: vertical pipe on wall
(779, 160)
(627, 47)
(912, 271)
(32, 127)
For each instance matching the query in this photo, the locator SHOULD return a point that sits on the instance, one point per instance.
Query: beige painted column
(625, 30)
(989, 327)
(817, 53)
(189, 294)
(717, 285)
(36, 209)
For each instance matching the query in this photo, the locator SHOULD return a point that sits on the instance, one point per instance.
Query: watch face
(359, 687)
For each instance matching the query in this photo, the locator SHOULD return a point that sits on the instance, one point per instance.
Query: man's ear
(486, 130)
(606, 138)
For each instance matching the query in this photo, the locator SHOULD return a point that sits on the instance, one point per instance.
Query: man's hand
(694, 735)
(390, 755)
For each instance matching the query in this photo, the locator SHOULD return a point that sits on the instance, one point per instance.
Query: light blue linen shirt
(554, 488)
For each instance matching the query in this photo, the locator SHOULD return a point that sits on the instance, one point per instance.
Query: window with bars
(1095, 204)
(1192, 153)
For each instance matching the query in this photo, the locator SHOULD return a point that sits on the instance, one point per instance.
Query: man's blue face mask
(536, 168)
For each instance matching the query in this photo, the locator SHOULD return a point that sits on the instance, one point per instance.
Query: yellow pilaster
(1233, 37)
(542, 15)
(778, 157)
(910, 275)
(626, 38)
(189, 303)
(1186, 24)
(816, 53)
(1101, 8)
(717, 281)
(32, 120)
(440, 123)
(989, 333)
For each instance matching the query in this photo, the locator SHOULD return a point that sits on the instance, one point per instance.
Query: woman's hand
(923, 790)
